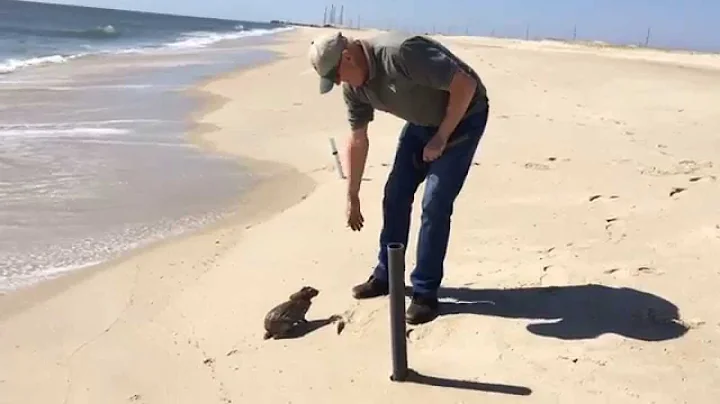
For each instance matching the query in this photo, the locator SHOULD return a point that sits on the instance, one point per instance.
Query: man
(445, 106)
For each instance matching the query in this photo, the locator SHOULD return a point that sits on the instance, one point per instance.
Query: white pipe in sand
(338, 164)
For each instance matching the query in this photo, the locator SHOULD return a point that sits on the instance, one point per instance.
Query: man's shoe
(370, 288)
(422, 309)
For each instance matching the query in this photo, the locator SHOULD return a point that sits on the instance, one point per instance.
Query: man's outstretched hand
(355, 218)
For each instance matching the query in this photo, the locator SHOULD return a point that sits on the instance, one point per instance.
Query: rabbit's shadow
(303, 329)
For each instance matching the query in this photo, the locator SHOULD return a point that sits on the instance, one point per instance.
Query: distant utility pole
(647, 38)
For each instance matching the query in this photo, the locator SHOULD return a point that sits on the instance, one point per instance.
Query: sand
(580, 267)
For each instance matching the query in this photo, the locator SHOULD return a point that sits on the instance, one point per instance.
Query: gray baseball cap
(325, 53)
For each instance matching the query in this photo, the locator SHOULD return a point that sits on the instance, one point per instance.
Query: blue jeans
(445, 178)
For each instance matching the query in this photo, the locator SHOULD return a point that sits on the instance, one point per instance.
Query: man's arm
(357, 151)
(462, 88)
(428, 64)
(360, 114)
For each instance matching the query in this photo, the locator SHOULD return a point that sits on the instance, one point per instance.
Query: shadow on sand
(415, 377)
(567, 312)
(302, 330)
(573, 312)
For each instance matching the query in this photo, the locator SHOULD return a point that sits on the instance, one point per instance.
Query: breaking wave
(189, 40)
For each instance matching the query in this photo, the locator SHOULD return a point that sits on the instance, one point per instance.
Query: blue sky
(690, 24)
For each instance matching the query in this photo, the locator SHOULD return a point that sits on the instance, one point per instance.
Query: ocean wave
(73, 124)
(99, 32)
(60, 132)
(201, 39)
(11, 65)
(190, 40)
(10, 281)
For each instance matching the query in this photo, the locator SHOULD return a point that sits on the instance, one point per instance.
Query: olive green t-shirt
(409, 77)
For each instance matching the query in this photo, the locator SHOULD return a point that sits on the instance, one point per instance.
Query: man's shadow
(573, 312)
(570, 313)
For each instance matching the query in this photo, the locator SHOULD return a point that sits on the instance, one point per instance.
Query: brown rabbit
(285, 316)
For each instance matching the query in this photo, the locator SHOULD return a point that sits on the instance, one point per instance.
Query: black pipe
(396, 263)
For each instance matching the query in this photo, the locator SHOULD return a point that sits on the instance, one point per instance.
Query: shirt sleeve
(426, 63)
(360, 112)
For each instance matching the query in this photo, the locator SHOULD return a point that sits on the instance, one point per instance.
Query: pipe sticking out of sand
(338, 164)
(396, 263)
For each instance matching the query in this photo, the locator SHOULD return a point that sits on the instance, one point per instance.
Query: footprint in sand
(430, 335)
(595, 197)
(692, 324)
(537, 166)
(682, 167)
(646, 271)
(643, 270)
(614, 231)
(704, 178)
(661, 150)
(709, 178)
(692, 165)
(677, 190)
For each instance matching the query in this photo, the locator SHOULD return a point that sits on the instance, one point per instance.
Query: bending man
(445, 106)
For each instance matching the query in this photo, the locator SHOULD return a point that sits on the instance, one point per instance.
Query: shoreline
(276, 176)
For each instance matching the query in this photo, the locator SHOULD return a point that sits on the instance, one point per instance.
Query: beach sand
(580, 267)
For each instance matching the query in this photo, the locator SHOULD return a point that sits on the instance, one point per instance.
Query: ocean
(94, 121)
